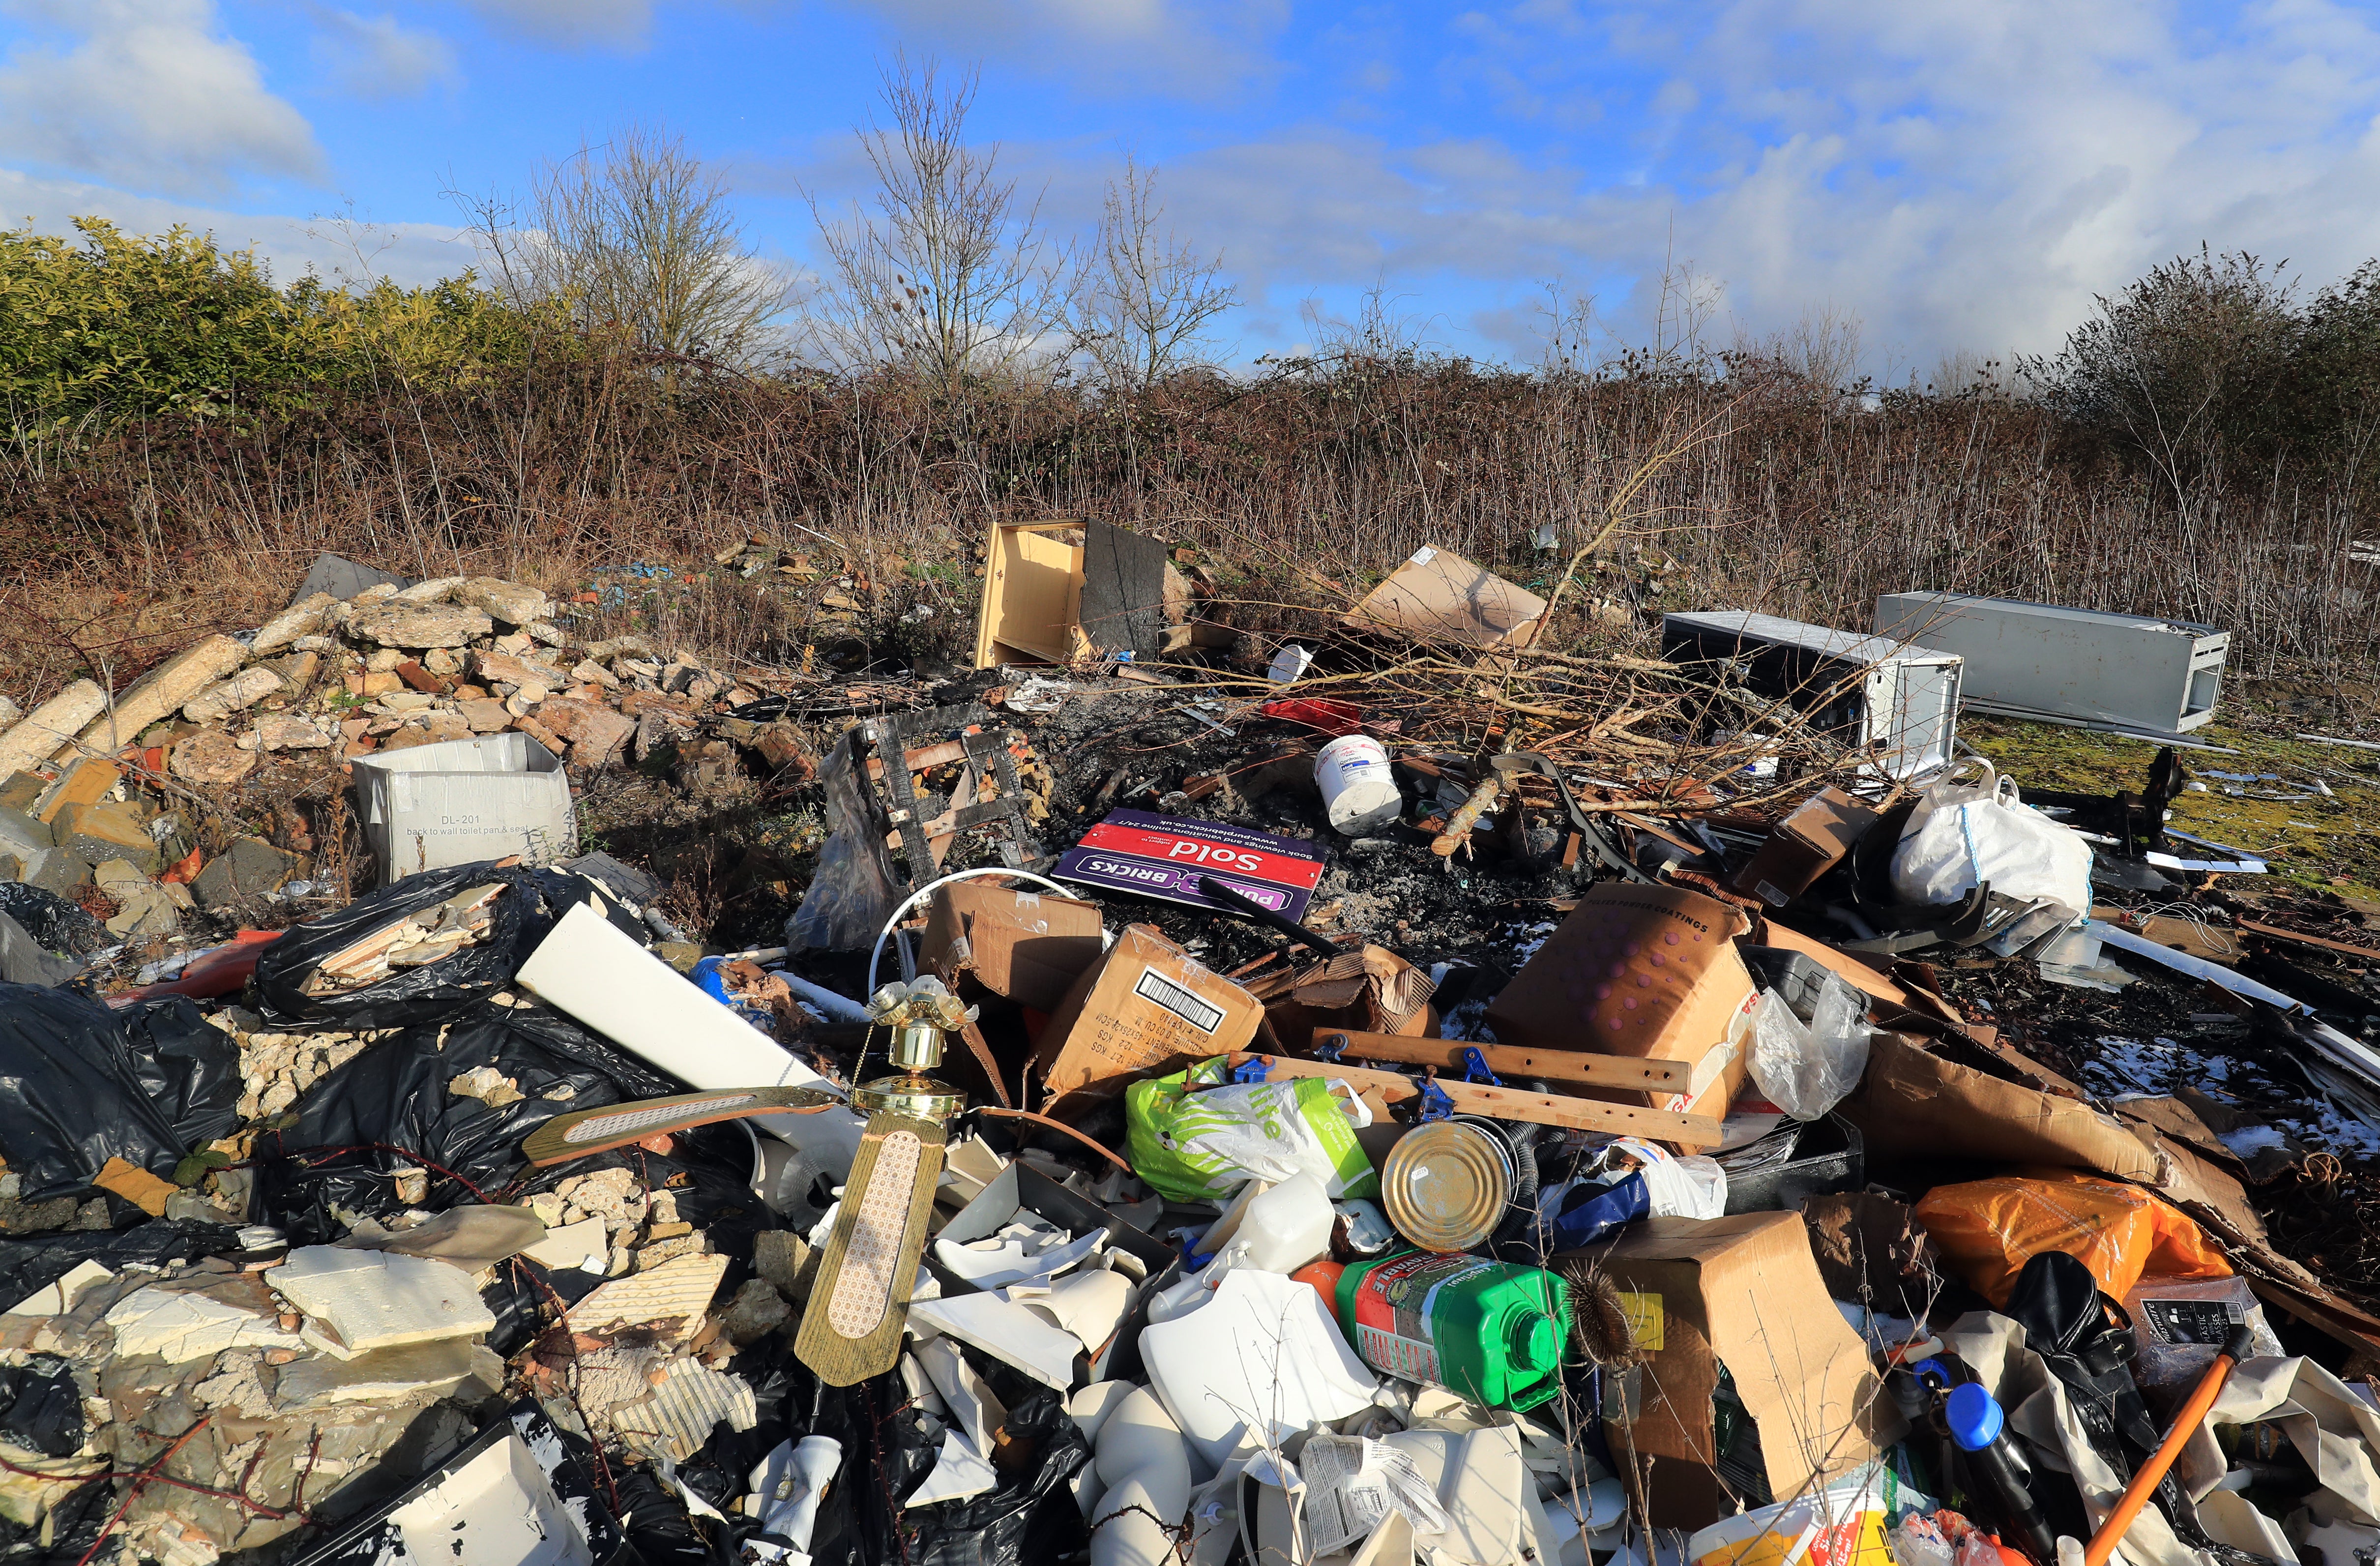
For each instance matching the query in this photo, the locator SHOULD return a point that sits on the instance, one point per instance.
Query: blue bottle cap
(1974, 1419)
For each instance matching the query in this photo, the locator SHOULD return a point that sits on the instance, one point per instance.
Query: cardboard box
(1804, 846)
(1647, 971)
(1743, 1293)
(1436, 596)
(1020, 945)
(1145, 1004)
(1370, 990)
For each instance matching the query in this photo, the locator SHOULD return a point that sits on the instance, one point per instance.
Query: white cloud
(1965, 175)
(377, 57)
(147, 93)
(616, 24)
(1956, 176)
(1201, 49)
(336, 246)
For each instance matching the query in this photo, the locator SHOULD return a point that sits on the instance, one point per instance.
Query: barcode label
(1187, 1004)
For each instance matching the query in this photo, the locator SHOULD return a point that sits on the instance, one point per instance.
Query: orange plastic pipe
(2136, 1494)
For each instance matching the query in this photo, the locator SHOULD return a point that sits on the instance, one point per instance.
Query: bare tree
(950, 273)
(635, 235)
(1143, 299)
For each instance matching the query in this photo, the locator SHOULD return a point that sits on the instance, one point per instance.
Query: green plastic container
(1492, 1330)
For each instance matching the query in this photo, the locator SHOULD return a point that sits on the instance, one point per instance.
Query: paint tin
(1358, 792)
(1446, 1185)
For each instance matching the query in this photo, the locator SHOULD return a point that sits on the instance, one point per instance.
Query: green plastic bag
(1202, 1144)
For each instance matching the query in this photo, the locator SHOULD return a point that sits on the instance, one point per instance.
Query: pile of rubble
(1305, 1117)
(103, 798)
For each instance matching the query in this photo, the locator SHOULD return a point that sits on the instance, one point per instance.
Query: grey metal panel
(2134, 671)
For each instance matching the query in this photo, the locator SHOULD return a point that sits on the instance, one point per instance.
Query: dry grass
(1757, 489)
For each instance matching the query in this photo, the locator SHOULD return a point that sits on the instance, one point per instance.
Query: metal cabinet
(2067, 665)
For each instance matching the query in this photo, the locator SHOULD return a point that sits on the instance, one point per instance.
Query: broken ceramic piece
(1260, 1360)
(1008, 1333)
(958, 1473)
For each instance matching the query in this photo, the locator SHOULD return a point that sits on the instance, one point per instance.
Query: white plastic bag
(1806, 1069)
(1676, 1186)
(1964, 832)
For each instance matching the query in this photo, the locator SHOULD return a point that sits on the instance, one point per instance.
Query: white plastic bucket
(1358, 793)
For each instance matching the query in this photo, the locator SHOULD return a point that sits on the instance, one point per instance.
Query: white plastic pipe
(842, 1008)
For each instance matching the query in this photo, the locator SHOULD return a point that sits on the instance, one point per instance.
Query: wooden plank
(2342, 948)
(1505, 1103)
(1560, 1065)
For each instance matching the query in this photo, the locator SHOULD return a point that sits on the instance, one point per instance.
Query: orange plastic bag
(1987, 1230)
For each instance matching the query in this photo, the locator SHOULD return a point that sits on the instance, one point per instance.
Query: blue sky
(1950, 175)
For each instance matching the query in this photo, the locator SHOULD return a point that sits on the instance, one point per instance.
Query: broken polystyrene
(180, 1326)
(358, 1301)
(58, 1297)
(673, 1295)
(686, 1405)
(581, 1245)
(1261, 1359)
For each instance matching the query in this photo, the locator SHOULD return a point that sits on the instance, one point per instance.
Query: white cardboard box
(466, 800)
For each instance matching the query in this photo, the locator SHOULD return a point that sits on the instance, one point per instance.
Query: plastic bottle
(1999, 1471)
(1491, 1330)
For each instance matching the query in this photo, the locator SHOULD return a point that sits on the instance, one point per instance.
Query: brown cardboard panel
(1022, 946)
(1744, 1293)
(1915, 1103)
(1645, 971)
(1436, 596)
(1808, 843)
(1145, 1003)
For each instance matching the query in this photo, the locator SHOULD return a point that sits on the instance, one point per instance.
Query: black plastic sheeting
(407, 996)
(888, 1450)
(1030, 1516)
(36, 1260)
(58, 925)
(80, 1084)
(391, 1106)
(534, 900)
(44, 1409)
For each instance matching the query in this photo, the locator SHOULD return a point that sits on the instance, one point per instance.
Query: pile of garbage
(1196, 1112)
